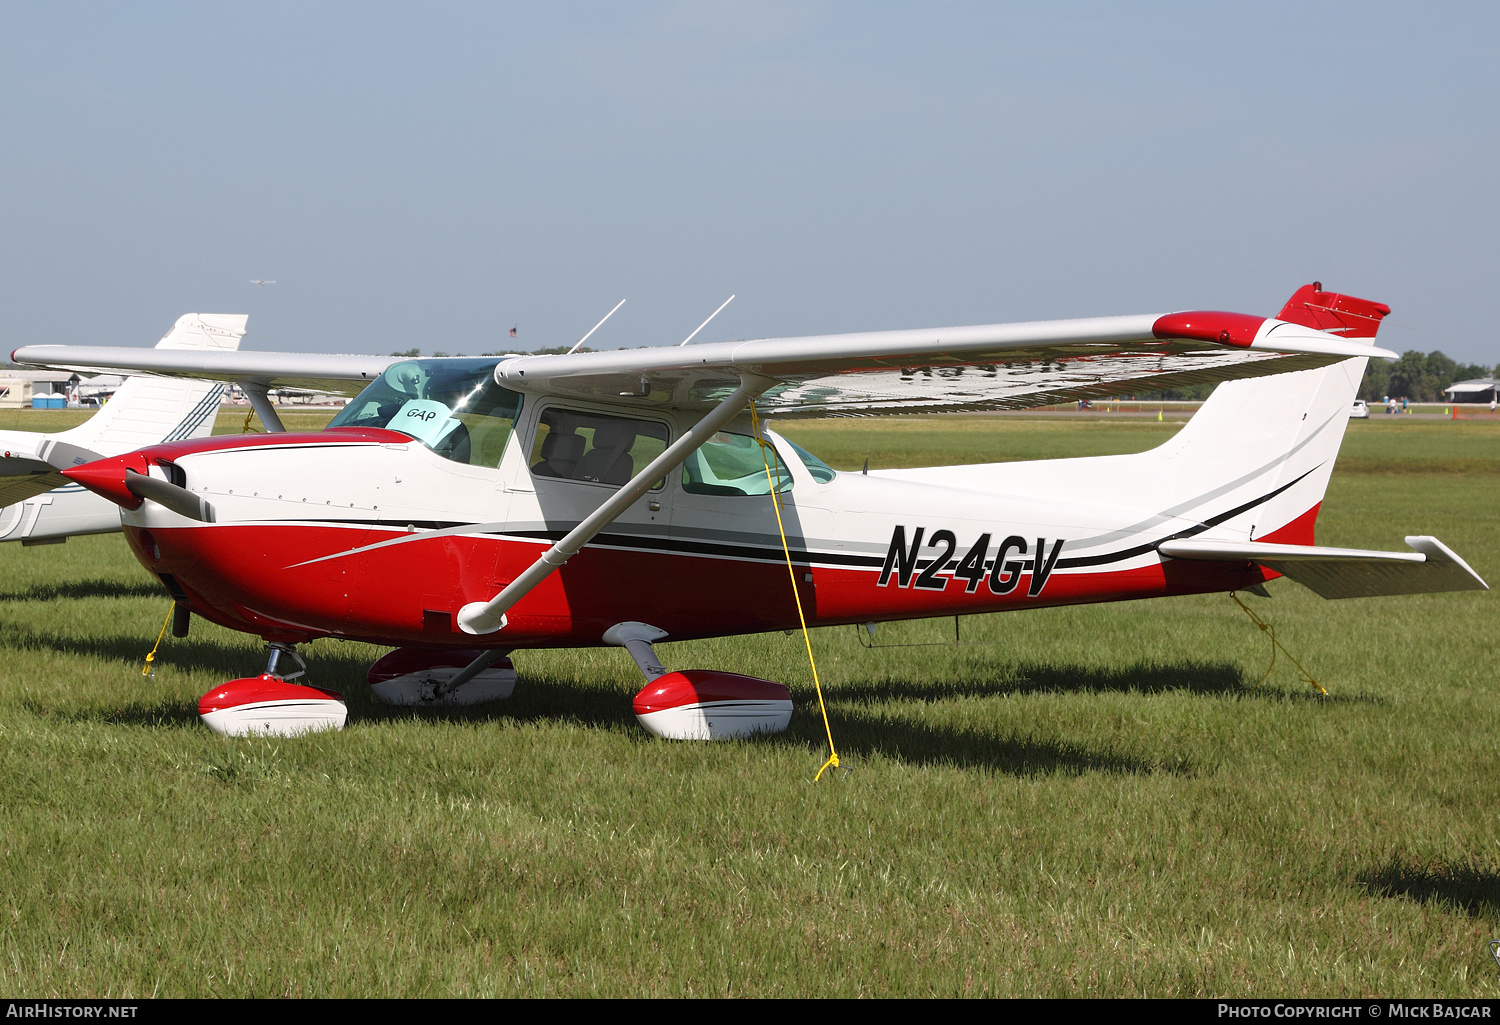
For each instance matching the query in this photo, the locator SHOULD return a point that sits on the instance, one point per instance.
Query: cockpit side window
(820, 471)
(453, 406)
(571, 444)
(732, 464)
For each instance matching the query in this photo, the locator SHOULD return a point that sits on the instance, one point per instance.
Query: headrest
(562, 447)
(613, 434)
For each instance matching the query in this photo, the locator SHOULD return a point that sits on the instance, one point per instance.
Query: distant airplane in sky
(262, 284)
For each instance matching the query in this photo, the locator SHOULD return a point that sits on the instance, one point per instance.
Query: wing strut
(260, 401)
(488, 616)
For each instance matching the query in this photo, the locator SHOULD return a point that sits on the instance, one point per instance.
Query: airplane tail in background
(147, 411)
(40, 506)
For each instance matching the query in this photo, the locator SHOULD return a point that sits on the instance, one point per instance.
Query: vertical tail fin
(150, 410)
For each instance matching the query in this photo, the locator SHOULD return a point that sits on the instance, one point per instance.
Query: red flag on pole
(513, 331)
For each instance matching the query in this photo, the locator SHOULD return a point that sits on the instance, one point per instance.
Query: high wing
(996, 366)
(342, 375)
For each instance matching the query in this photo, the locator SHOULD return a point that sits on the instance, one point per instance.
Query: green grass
(1093, 802)
(949, 440)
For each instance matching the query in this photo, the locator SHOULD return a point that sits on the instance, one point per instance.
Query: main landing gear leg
(637, 639)
(277, 653)
(269, 706)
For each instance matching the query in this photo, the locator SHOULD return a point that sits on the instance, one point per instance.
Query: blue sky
(428, 175)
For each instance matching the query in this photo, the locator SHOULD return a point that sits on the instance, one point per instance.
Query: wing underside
(337, 374)
(1019, 380)
(998, 366)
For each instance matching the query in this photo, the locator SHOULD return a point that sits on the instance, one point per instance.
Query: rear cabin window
(593, 448)
(731, 464)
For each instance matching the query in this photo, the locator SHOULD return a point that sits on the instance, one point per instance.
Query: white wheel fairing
(290, 718)
(717, 720)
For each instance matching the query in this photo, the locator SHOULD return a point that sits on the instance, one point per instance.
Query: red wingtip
(1337, 314)
(106, 478)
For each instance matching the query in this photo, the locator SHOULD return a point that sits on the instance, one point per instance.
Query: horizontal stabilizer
(1344, 572)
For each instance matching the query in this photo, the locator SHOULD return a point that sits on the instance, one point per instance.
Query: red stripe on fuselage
(248, 577)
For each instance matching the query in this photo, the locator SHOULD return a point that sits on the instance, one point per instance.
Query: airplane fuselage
(370, 535)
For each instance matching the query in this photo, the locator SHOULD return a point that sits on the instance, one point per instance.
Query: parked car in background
(1359, 411)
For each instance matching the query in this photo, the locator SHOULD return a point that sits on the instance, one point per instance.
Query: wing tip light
(1236, 329)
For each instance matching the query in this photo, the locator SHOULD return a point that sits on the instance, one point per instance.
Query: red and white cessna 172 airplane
(460, 509)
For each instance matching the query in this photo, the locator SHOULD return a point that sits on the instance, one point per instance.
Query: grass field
(1092, 802)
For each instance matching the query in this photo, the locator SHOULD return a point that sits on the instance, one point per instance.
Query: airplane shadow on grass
(980, 680)
(920, 743)
(607, 705)
(165, 713)
(87, 589)
(540, 700)
(227, 660)
(1476, 892)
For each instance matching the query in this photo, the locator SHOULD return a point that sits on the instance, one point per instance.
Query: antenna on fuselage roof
(596, 327)
(703, 325)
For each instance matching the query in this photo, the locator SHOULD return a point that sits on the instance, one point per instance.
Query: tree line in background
(1418, 376)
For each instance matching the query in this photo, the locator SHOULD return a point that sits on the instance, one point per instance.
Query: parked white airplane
(144, 411)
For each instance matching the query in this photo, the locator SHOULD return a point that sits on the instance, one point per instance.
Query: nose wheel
(427, 677)
(269, 705)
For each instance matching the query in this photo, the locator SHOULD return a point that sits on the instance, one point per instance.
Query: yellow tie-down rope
(833, 755)
(1270, 631)
(146, 669)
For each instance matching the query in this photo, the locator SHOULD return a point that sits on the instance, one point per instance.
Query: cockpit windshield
(453, 406)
